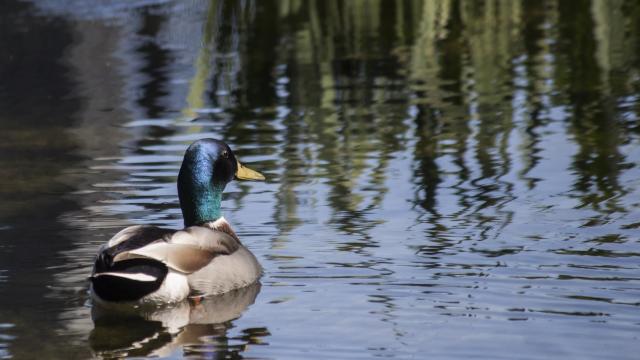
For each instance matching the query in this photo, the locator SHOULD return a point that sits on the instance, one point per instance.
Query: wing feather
(186, 250)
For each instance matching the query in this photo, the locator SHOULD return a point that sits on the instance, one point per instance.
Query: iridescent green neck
(199, 191)
(206, 206)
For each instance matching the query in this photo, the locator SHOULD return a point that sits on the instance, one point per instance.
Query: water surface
(446, 179)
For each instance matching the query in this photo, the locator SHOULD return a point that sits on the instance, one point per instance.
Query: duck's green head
(207, 167)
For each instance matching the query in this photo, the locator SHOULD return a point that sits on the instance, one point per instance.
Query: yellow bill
(244, 173)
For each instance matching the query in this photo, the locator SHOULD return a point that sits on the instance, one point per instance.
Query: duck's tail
(128, 280)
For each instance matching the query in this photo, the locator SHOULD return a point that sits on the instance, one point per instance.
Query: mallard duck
(148, 264)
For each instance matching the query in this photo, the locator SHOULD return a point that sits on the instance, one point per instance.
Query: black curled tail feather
(103, 262)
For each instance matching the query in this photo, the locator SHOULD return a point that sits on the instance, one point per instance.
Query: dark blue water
(445, 179)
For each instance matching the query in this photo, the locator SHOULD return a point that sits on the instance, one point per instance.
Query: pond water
(445, 179)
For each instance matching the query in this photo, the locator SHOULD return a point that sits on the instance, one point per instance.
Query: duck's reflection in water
(192, 327)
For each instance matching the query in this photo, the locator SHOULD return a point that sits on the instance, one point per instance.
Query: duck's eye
(225, 154)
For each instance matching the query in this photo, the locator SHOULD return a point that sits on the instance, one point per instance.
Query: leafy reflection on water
(446, 178)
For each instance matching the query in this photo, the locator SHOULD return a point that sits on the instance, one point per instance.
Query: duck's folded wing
(136, 236)
(186, 250)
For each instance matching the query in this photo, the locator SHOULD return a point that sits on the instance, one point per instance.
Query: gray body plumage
(200, 260)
